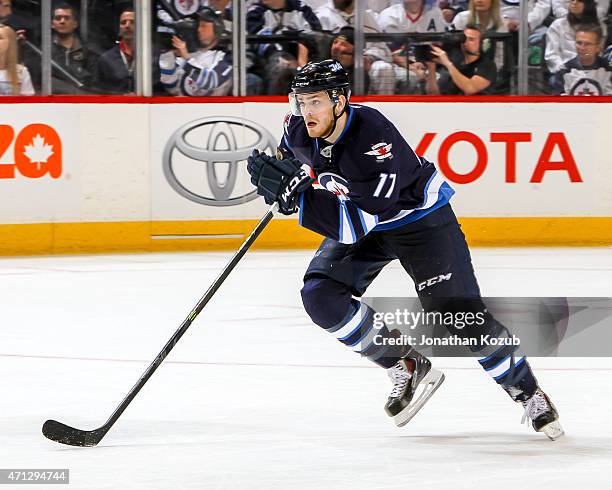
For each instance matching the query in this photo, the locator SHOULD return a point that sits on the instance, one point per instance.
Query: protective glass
(315, 103)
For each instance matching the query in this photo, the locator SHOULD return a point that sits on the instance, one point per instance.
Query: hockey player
(379, 202)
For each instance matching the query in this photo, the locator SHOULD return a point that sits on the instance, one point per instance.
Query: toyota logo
(212, 142)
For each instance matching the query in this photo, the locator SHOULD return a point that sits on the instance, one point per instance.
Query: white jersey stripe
(432, 191)
(353, 323)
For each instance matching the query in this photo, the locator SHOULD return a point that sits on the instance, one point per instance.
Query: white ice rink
(256, 397)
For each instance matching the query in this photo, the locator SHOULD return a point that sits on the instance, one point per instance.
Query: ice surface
(256, 397)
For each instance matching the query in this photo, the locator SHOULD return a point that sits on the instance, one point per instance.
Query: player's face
(587, 47)
(317, 111)
(576, 6)
(64, 21)
(126, 25)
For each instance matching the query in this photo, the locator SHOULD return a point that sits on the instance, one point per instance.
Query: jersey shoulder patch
(286, 122)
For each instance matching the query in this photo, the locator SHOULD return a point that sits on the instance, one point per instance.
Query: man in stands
(338, 14)
(114, 72)
(278, 62)
(68, 51)
(467, 72)
(588, 73)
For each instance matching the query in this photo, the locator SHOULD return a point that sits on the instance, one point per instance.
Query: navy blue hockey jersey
(370, 178)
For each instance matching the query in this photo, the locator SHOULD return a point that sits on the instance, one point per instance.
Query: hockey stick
(58, 432)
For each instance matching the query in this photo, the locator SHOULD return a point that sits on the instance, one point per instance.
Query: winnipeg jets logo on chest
(381, 151)
(586, 86)
(335, 184)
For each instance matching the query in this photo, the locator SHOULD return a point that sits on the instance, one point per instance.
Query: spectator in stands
(279, 62)
(69, 52)
(114, 73)
(413, 16)
(467, 73)
(588, 73)
(337, 14)
(561, 8)
(205, 72)
(482, 13)
(14, 78)
(224, 9)
(450, 8)
(6, 10)
(410, 16)
(485, 14)
(343, 50)
(20, 24)
(254, 83)
(169, 15)
(561, 35)
(537, 12)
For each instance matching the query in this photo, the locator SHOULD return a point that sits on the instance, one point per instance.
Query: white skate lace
(534, 407)
(399, 377)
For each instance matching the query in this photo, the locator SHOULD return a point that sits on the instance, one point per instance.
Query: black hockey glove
(278, 180)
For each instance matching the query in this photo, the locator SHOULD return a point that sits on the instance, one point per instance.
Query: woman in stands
(482, 13)
(14, 78)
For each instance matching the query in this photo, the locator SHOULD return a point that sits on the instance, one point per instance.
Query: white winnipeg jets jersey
(397, 19)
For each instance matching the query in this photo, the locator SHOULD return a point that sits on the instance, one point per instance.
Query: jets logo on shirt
(335, 184)
(189, 86)
(186, 7)
(586, 86)
(381, 151)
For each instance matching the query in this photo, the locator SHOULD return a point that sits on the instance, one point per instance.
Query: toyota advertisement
(182, 171)
(502, 167)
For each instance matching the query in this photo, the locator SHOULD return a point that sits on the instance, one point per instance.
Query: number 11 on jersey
(381, 184)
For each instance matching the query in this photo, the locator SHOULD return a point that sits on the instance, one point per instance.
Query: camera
(422, 52)
(448, 41)
(186, 29)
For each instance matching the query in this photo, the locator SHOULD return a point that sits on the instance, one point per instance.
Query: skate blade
(427, 387)
(553, 430)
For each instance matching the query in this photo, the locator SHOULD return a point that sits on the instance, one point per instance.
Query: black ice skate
(414, 382)
(543, 415)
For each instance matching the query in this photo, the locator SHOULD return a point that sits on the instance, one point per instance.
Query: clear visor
(315, 103)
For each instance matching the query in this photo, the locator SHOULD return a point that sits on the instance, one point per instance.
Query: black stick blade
(64, 434)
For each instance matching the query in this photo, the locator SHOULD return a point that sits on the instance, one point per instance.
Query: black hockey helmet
(320, 75)
(206, 14)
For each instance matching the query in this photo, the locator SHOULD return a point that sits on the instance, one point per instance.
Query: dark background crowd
(454, 47)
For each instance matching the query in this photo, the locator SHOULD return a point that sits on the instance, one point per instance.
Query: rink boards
(97, 177)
